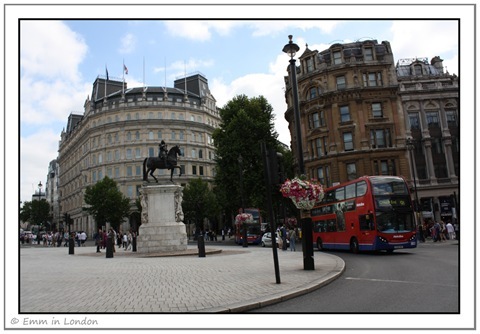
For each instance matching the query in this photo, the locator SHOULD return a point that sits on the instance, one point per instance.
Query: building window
(451, 118)
(200, 154)
(417, 69)
(341, 83)
(181, 135)
(172, 116)
(151, 152)
(109, 156)
(117, 155)
(109, 172)
(312, 93)
(320, 146)
(159, 115)
(138, 170)
(137, 135)
(194, 153)
(159, 134)
(380, 138)
(344, 114)
(173, 135)
(323, 175)
(351, 171)
(194, 170)
(100, 159)
(150, 115)
(337, 57)
(137, 116)
(94, 176)
(377, 111)
(414, 121)
(117, 172)
(129, 136)
(109, 138)
(310, 65)
(372, 79)
(432, 119)
(384, 167)
(314, 121)
(200, 170)
(129, 117)
(100, 174)
(368, 54)
(129, 171)
(116, 138)
(138, 153)
(348, 141)
(129, 153)
(130, 191)
(150, 135)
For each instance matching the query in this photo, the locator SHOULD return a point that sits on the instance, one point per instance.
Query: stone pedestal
(162, 228)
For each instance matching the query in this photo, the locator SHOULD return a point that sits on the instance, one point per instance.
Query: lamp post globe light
(307, 234)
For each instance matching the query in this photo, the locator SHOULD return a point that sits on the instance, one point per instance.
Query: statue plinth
(162, 228)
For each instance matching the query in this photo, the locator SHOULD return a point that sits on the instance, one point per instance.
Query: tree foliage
(106, 203)
(199, 202)
(36, 212)
(246, 122)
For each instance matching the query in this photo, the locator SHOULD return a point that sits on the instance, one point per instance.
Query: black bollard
(134, 242)
(201, 246)
(307, 244)
(71, 245)
(109, 247)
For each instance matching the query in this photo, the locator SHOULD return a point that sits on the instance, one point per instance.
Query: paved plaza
(228, 279)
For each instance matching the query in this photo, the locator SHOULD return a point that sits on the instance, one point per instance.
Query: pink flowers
(304, 194)
(244, 218)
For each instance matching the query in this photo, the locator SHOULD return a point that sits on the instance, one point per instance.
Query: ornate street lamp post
(307, 234)
(411, 148)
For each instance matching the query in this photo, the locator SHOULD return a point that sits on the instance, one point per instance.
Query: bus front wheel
(354, 245)
(319, 244)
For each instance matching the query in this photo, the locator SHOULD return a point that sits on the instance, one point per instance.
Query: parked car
(267, 240)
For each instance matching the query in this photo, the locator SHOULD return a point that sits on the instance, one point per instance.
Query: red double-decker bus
(370, 213)
(254, 232)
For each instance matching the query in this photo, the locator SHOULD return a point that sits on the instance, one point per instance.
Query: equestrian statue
(167, 159)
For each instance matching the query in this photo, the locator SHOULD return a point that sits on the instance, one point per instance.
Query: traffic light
(277, 173)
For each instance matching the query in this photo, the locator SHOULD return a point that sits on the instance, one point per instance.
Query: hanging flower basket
(304, 194)
(244, 218)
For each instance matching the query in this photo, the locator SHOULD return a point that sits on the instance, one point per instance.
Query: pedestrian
(223, 234)
(436, 232)
(283, 232)
(98, 239)
(125, 241)
(293, 236)
(443, 230)
(451, 231)
(83, 238)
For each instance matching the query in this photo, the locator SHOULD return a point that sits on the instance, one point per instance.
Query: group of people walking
(120, 239)
(438, 231)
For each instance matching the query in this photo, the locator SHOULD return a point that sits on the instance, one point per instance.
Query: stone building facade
(430, 101)
(122, 126)
(350, 114)
(354, 115)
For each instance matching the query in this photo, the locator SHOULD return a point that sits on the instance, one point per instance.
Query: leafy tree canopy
(36, 212)
(199, 202)
(246, 122)
(106, 203)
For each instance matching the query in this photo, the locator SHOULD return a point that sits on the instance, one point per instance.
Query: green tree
(246, 122)
(36, 213)
(199, 202)
(106, 203)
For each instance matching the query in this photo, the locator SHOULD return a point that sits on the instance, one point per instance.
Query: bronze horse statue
(152, 163)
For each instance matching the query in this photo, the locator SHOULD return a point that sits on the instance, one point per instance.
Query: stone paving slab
(228, 279)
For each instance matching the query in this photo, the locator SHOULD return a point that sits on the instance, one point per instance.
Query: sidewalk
(228, 279)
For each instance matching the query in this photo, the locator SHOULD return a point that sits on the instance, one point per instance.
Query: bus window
(329, 197)
(350, 191)
(340, 194)
(332, 226)
(361, 188)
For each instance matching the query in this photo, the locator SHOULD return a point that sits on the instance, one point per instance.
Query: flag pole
(123, 77)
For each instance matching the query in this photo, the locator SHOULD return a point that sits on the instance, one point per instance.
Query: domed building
(122, 126)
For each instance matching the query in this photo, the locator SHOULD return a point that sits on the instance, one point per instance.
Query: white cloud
(270, 85)
(128, 43)
(271, 27)
(418, 38)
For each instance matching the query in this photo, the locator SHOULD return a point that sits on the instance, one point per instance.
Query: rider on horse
(162, 152)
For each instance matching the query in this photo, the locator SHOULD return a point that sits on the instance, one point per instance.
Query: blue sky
(237, 57)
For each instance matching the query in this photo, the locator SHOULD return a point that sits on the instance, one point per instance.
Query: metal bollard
(109, 247)
(201, 246)
(71, 245)
(134, 243)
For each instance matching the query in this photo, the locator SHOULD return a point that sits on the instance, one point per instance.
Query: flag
(106, 71)
(125, 69)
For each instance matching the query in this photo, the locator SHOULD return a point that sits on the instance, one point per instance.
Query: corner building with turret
(121, 126)
(357, 109)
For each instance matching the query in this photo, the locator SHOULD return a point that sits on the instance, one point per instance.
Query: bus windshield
(394, 222)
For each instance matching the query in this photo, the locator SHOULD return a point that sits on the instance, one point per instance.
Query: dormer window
(310, 67)
(368, 54)
(337, 57)
(417, 69)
